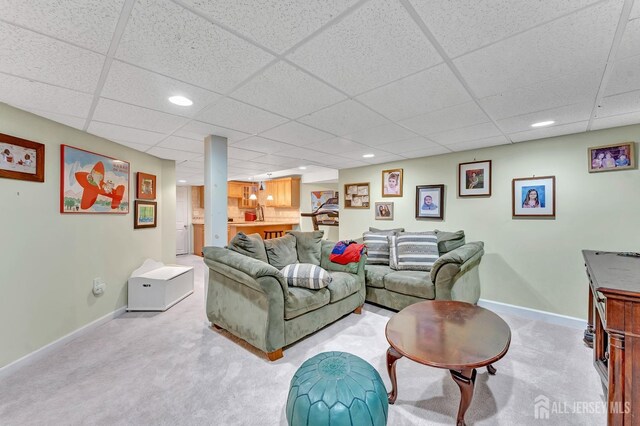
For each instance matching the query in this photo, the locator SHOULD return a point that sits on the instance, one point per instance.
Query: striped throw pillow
(377, 247)
(416, 251)
(306, 275)
(393, 252)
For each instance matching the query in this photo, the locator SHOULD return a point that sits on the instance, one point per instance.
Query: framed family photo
(145, 214)
(21, 159)
(611, 157)
(384, 211)
(392, 183)
(534, 197)
(146, 186)
(356, 195)
(429, 202)
(474, 179)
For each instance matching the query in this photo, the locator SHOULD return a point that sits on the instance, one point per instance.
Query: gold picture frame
(392, 181)
(357, 195)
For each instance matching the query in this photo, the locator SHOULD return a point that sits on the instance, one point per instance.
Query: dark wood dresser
(614, 326)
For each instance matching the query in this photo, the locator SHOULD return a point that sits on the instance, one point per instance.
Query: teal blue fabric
(303, 300)
(342, 285)
(411, 283)
(337, 388)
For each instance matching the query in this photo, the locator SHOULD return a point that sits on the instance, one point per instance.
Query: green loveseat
(249, 297)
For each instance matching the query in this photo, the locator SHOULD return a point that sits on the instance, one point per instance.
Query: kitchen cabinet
(234, 189)
(198, 238)
(285, 192)
(201, 197)
(247, 190)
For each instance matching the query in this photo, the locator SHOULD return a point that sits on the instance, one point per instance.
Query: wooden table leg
(465, 379)
(491, 369)
(392, 357)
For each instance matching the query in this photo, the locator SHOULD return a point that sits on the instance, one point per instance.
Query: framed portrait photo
(429, 201)
(534, 197)
(392, 183)
(21, 159)
(607, 158)
(474, 179)
(146, 186)
(356, 195)
(145, 214)
(384, 211)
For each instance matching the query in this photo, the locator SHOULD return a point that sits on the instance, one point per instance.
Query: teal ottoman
(337, 388)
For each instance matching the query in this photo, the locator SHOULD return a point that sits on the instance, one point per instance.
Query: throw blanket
(346, 252)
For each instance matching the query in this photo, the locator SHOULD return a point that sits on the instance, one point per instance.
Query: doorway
(182, 220)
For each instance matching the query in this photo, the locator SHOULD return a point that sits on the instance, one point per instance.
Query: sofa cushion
(281, 251)
(250, 245)
(302, 300)
(377, 247)
(416, 251)
(374, 275)
(306, 275)
(448, 241)
(342, 285)
(308, 246)
(411, 283)
(372, 229)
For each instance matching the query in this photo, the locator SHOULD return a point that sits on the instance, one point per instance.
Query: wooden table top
(449, 334)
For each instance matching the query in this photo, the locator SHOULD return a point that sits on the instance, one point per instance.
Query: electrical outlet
(98, 286)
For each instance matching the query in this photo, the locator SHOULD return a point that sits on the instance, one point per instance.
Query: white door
(182, 220)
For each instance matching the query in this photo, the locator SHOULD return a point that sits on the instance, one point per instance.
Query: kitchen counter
(262, 223)
(256, 227)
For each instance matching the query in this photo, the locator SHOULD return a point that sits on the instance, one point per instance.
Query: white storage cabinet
(156, 287)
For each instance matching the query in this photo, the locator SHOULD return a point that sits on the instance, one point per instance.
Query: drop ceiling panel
(33, 56)
(635, 10)
(375, 45)
(425, 152)
(429, 90)
(619, 104)
(114, 112)
(344, 118)
(183, 144)
(67, 120)
(124, 134)
(475, 132)
(630, 43)
(616, 120)
(239, 116)
(412, 144)
(480, 143)
(196, 165)
(23, 93)
(381, 135)
(306, 154)
(86, 23)
(337, 146)
(172, 154)
(343, 163)
(166, 38)
(579, 41)
(276, 160)
(136, 146)
(242, 154)
(547, 132)
(462, 26)
(298, 134)
(136, 86)
(625, 76)
(358, 154)
(256, 143)
(446, 119)
(562, 115)
(383, 159)
(198, 130)
(288, 91)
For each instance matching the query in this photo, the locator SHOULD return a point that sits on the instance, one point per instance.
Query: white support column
(215, 191)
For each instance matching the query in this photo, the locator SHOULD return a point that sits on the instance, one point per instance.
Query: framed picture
(318, 198)
(92, 183)
(21, 159)
(429, 202)
(611, 157)
(384, 211)
(146, 186)
(145, 214)
(392, 183)
(534, 196)
(474, 179)
(356, 195)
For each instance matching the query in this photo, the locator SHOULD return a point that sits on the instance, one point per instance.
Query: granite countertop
(264, 223)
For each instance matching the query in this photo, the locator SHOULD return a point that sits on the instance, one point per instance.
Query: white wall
(48, 260)
(535, 263)
(330, 232)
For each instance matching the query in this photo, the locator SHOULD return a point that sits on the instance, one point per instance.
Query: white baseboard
(534, 314)
(47, 349)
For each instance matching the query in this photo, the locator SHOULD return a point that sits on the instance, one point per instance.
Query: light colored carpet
(169, 368)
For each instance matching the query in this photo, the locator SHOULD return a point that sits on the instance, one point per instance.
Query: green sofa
(249, 297)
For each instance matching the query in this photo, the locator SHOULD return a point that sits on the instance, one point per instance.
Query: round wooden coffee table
(447, 334)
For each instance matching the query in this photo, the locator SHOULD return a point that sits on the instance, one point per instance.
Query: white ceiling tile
(358, 154)
(276, 160)
(86, 23)
(344, 118)
(578, 41)
(412, 144)
(573, 88)
(256, 143)
(462, 26)
(429, 90)
(625, 76)
(136, 86)
(426, 152)
(114, 112)
(619, 104)
(242, 154)
(196, 165)
(347, 164)
(285, 90)
(172, 154)
(21, 92)
(616, 121)
(183, 144)
(307, 153)
(630, 43)
(480, 143)
(67, 120)
(239, 116)
(298, 134)
(547, 132)
(446, 119)
(136, 146)
(337, 146)
(381, 134)
(635, 10)
(124, 134)
(33, 56)
(464, 134)
(166, 38)
(198, 130)
(375, 45)
(383, 159)
(563, 115)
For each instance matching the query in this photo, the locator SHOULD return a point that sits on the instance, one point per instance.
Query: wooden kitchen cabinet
(285, 192)
(201, 197)
(247, 190)
(234, 189)
(198, 239)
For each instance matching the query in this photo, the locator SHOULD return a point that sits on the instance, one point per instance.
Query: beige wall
(535, 263)
(48, 260)
(330, 232)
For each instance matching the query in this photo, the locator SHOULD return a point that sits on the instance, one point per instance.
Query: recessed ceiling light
(180, 100)
(368, 155)
(182, 181)
(543, 123)
(303, 167)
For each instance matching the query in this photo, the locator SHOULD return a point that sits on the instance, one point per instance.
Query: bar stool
(272, 234)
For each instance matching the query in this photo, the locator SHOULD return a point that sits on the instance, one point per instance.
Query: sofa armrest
(455, 274)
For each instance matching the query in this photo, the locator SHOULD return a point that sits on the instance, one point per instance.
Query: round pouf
(337, 388)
